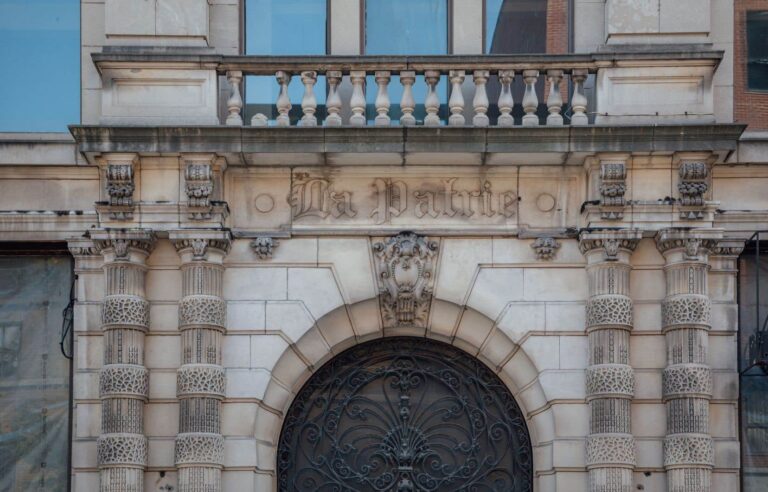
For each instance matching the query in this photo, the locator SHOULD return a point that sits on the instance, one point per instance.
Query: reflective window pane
(757, 50)
(753, 364)
(515, 26)
(34, 374)
(283, 27)
(406, 27)
(40, 54)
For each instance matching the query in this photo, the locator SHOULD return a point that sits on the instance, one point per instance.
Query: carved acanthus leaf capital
(405, 264)
(122, 242)
(201, 244)
(692, 243)
(610, 241)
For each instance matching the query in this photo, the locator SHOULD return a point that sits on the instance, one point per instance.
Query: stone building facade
(568, 225)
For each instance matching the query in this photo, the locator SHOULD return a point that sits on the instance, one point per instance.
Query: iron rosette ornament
(404, 414)
(405, 264)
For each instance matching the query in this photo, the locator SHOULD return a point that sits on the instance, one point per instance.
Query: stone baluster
(579, 100)
(687, 379)
(610, 378)
(283, 101)
(235, 101)
(530, 99)
(456, 101)
(382, 99)
(201, 380)
(309, 101)
(123, 380)
(333, 103)
(357, 101)
(480, 102)
(407, 102)
(506, 102)
(432, 102)
(554, 100)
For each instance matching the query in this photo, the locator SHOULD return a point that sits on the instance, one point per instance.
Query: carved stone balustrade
(478, 88)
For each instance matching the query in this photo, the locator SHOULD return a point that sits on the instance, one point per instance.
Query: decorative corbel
(613, 186)
(545, 248)
(198, 175)
(120, 185)
(693, 184)
(264, 247)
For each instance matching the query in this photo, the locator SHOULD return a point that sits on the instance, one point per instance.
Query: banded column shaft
(687, 379)
(123, 380)
(610, 379)
(201, 381)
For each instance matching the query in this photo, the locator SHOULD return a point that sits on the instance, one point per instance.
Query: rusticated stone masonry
(123, 380)
(610, 379)
(201, 381)
(687, 379)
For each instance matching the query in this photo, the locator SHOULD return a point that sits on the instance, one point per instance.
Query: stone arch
(348, 325)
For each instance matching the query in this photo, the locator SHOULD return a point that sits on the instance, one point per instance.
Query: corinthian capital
(609, 242)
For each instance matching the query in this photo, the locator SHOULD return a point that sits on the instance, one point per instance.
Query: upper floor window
(406, 27)
(283, 27)
(515, 26)
(757, 50)
(40, 85)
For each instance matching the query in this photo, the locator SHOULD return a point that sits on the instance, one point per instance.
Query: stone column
(123, 380)
(200, 381)
(610, 379)
(687, 379)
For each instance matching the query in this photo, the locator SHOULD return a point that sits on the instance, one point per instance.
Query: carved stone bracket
(545, 247)
(120, 185)
(613, 186)
(405, 264)
(264, 247)
(199, 188)
(693, 185)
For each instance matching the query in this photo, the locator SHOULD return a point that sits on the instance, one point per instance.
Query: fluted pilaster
(610, 378)
(201, 380)
(687, 379)
(123, 380)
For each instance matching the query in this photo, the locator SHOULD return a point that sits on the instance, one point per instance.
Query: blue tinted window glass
(406, 27)
(40, 53)
(515, 26)
(283, 27)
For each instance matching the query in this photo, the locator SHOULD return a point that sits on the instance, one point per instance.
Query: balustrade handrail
(477, 69)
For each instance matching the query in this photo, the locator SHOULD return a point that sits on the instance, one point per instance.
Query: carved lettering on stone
(316, 197)
(391, 199)
(405, 270)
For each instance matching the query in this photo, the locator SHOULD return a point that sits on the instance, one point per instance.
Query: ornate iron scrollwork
(404, 414)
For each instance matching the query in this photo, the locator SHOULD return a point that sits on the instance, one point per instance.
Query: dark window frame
(747, 58)
(570, 26)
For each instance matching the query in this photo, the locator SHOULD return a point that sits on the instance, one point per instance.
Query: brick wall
(750, 107)
(557, 26)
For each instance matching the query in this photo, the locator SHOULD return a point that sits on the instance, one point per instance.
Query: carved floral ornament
(405, 265)
(611, 242)
(545, 247)
(264, 247)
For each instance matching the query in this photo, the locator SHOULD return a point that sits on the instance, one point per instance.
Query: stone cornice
(402, 145)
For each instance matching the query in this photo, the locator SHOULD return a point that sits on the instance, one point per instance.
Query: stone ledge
(251, 146)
